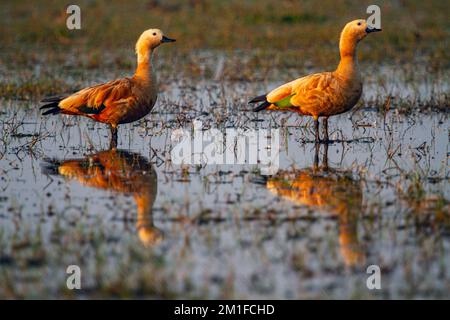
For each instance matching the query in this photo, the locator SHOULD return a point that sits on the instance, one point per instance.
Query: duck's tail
(264, 105)
(52, 104)
(50, 166)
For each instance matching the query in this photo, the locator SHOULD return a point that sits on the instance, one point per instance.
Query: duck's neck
(144, 202)
(144, 70)
(348, 66)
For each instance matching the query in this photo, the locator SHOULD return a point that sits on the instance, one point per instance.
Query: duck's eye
(359, 23)
(154, 33)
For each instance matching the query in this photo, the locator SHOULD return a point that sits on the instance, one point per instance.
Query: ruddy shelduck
(119, 101)
(324, 94)
(121, 172)
(326, 190)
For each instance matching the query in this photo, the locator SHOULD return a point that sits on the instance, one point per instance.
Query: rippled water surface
(139, 225)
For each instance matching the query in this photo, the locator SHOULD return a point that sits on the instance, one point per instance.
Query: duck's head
(352, 33)
(356, 30)
(150, 235)
(151, 39)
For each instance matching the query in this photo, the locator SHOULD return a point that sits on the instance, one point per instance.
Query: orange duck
(323, 94)
(118, 171)
(120, 101)
(330, 191)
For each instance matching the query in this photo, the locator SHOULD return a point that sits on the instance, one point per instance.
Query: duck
(328, 192)
(119, 101)
(120, 172)
(324, 94)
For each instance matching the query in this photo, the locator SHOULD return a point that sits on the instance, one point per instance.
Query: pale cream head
(149, 40)
(150, 235)
(353, 32)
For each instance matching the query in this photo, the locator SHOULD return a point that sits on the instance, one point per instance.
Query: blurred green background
(254, 36)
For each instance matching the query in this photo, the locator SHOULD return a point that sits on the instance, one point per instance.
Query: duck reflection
(119, 171)
(323, 188)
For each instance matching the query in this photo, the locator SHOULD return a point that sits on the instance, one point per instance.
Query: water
(139, 225)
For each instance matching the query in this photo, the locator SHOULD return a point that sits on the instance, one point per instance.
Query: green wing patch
(285, 102)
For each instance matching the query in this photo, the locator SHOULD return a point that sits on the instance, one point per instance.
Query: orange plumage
(325, 189)
(117, 171)
(120, 101)
(323, 94)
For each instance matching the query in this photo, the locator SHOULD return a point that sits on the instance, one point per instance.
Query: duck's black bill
(165, 39)
(369, 30)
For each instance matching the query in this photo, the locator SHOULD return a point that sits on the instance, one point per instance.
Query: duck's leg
(325, 129)
(113, 141)
(316, 156)
(316, 127)
(325, 158)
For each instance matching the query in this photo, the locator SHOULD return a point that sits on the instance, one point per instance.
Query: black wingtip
(52, 106)
(51, 103)
(262, 106)
(54, 110)
(258, 99)
(50, 166)
(53, 99)
(48, 106)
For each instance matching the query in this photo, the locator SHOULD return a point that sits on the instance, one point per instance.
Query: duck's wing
(279, 96)
(312, 89)
(94, 100)
(314, 92)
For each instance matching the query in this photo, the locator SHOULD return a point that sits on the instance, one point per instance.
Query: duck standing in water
(324, 94)
(119, 101)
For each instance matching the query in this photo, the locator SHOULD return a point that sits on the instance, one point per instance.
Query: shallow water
(377, 195)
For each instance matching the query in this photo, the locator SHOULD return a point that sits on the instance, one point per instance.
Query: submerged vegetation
(224, 231)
